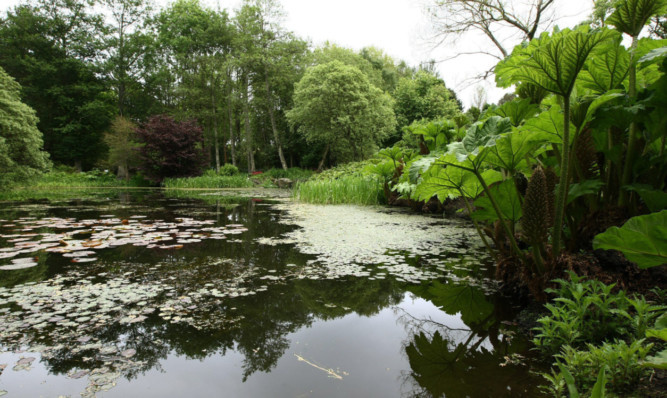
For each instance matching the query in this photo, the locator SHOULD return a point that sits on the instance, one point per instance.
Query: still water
(144, 294)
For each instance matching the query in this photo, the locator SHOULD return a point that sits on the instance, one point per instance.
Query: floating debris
(332, 373)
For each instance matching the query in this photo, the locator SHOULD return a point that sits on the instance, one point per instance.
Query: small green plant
(560, 380)
(621, 361)
(591, 329)
(586, 311)
(659, 331)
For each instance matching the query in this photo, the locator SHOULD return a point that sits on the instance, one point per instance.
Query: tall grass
(360, 190)
(209, 180)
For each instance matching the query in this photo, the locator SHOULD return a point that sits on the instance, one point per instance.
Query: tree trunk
(230, 108)
(324, 157)
(215, 132)
(248, 130)
(123, 173)
(276, 136)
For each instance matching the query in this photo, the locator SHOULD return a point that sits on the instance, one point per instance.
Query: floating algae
(360, 240)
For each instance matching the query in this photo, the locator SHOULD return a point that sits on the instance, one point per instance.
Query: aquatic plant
(344, 190)
(208, 181)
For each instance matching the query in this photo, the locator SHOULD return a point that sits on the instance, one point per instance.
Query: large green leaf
(517, 111)
(659, 361)
(607, 69)
(507, 199)
(642, 239)
(462, 299)
(551, 62)
(419, 166)
(511, 149)
(445, 182)
(654, 199)
(548, 125)
(654, 55)
(479, 135)
(630, 16)
(586, 187)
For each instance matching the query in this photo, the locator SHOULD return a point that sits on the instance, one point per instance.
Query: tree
(196, 42)
(123, 146)
(423, 96)
(500, 21)
(126, 44)
(41, 48)
(21, 143)
(331, 52)
(171, 149)
(336, 105)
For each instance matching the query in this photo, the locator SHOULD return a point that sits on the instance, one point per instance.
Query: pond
(247, 294)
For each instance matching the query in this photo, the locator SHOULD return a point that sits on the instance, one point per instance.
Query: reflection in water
(473, 358)
(127, 314)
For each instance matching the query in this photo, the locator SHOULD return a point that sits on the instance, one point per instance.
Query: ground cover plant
(597, 336)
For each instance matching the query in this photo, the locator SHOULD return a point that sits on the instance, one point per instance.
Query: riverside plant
(597, 337)
(209, 181)
(360, 190)
(535, 172)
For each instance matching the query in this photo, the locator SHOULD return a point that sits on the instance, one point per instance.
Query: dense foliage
(171, 149)
(336, 106)
(21, 152)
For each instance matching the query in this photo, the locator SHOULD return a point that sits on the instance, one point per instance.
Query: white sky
(395, 26)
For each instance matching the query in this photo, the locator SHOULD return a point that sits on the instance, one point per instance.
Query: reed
(209, 181)
(360, 190)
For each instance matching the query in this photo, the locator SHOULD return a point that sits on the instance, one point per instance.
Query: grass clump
(209, 180)
(350, 183)
(360, 190)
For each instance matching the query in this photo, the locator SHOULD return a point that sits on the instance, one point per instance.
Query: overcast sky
(398, 27)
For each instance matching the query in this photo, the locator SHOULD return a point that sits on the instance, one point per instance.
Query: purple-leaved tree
(171, 149)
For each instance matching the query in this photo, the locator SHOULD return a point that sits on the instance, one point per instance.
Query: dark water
(232, 317)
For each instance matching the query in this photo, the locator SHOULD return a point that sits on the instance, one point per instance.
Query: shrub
(171, 149)
(228, 170)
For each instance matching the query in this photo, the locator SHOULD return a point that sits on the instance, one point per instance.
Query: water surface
(117, 294)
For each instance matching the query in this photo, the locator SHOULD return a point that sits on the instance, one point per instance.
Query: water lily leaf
(643, 239)
(128, 353)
